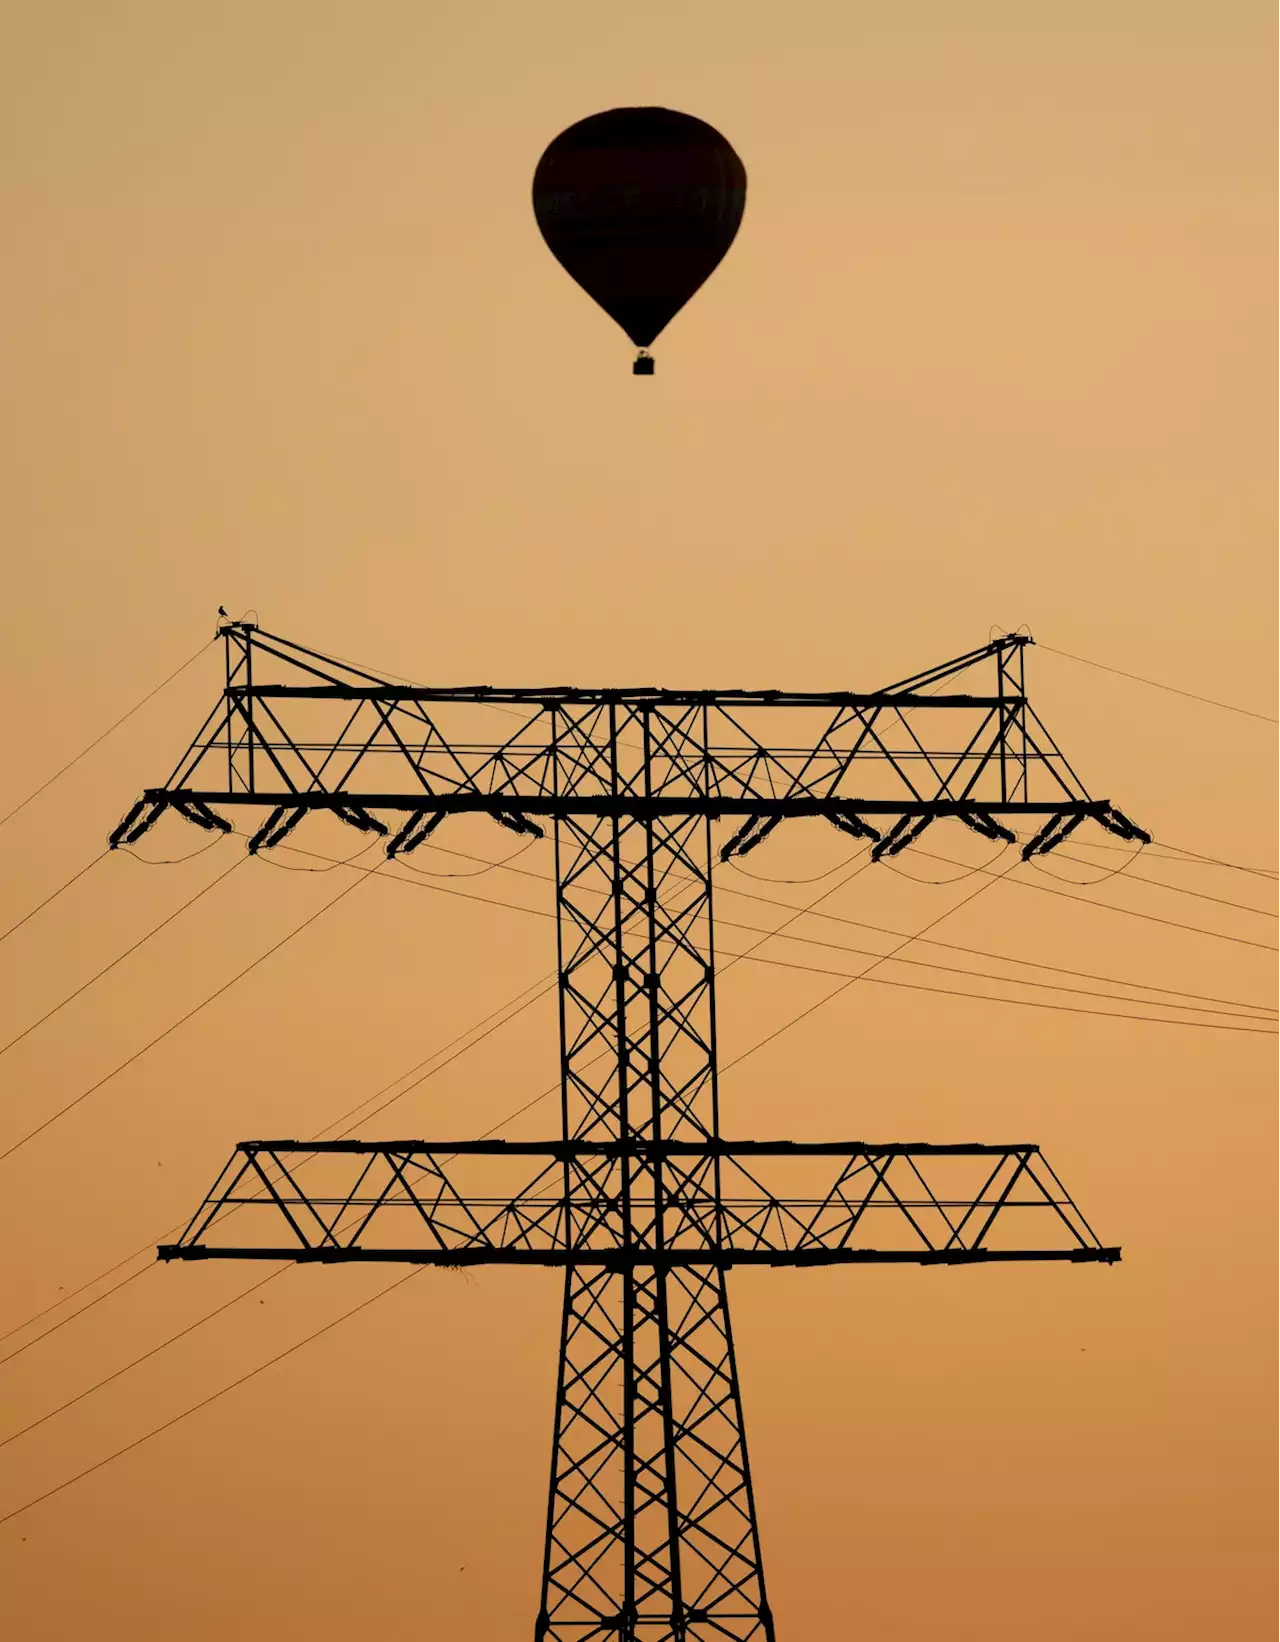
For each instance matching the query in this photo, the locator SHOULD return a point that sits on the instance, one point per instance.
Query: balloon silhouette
(639, 205)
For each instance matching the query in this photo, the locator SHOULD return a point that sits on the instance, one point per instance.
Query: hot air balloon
(639, 205)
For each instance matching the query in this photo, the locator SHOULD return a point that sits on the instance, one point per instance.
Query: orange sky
(993, 347)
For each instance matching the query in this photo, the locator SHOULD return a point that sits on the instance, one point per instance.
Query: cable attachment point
(359, 818)
(141, 818)
(850, 821)
(1121, 825)
(987, 826)
(1056, 830)
(416, 830)
(197, 811)
(276, 828)
(754, 830)
(514, 821)
(905, 830)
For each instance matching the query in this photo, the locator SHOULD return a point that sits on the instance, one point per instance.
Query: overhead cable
(106, 970)
(1162, 850)
(1022, 1003)
(392, 877)
(854, 979)
(213, 1397)
(1176, 889)
(1155, 684)
(1236, 1012)
(1107, 906)
(811, 910)
(147, 1248)
(74, 879)
(501, 1124)
(1000, 957)
(490, 1023)
(537, 1099)
(181, 1021)
(146, 1355)
(99, 739)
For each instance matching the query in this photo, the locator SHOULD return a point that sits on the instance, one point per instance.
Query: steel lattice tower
(651, 1527)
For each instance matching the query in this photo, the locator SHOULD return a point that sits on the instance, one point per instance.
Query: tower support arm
(641, 1260)
(502, 807)
(295, 731)
(667, 1204)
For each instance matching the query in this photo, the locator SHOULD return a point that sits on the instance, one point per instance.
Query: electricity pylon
(651, 1525)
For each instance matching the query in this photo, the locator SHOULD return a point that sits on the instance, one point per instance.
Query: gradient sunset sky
(994, 347)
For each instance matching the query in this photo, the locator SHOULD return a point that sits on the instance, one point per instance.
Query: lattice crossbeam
(415, 1202)
(323, 735)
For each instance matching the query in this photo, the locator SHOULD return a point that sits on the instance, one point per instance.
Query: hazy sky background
(994, 347)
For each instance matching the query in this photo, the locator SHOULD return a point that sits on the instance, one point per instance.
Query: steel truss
(651, 1527)
(836, 1204)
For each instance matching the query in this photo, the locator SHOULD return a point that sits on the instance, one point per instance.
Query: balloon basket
(643, 365)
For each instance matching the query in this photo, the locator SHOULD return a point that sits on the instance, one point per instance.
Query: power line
(155, 1350)
(1176, 889)
(98, 740)
(74, 879)
(800, 912)
(1173, 889)
(734, 957)
(1052, 968)
(754, 1048)
(1214, 861)
(147, 1248)
(1105, 906)
(853, 979)
(508, 1013)
(1155, 684)
(1176, 856)
(1021, 1003)
(543, 990)
(810, 909)
(879, 958)
(924, 963)
(511, 1116)
(544, 985)
(182, 1333)
(786, 1026)
(146, 1355)
(438, 889)
(1237, 1013)
(181, 1021)
(1001, 957)
(307, 1340)
(212, 1398)
(106, 970)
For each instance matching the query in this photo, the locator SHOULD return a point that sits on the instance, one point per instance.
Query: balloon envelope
(639, 205)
